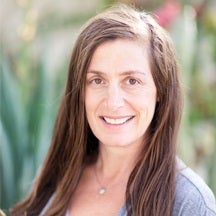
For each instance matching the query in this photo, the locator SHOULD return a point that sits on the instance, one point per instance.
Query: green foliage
(195, 42)
(12, 128)
(25, 125)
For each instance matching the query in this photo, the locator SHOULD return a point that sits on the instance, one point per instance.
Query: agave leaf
(13, 124)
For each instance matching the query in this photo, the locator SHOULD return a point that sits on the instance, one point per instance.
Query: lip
(117, 120)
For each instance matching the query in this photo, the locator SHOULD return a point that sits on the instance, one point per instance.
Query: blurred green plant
(27, 112)
(194, 36)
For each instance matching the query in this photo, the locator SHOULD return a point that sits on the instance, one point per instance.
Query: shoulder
(192, 195)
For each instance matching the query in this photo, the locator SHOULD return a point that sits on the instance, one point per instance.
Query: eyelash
(94, 81)
(129, 79)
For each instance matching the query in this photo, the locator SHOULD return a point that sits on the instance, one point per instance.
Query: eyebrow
(129, 72)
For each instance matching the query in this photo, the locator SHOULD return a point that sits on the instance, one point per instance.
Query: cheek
(146, 106)
(88, 109)
(91, 104)
(89, 101)
(93, 98)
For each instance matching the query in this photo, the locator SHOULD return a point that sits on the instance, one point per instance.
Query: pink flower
(167, 13)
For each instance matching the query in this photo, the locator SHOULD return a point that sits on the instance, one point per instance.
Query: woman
(113, 150)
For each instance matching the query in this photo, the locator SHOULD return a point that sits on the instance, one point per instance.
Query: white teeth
(116, 121)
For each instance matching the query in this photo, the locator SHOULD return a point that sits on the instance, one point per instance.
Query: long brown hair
(151, 186)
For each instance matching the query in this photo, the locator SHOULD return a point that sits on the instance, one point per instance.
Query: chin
(117, 142)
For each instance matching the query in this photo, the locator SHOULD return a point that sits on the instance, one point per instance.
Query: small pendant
(102, 191)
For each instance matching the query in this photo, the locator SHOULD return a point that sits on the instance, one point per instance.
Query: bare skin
(113, 172)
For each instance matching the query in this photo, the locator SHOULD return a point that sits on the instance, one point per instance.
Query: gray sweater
(192, 197)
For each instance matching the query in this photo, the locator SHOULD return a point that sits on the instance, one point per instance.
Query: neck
(115, 163)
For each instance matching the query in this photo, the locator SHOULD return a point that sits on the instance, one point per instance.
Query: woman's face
(120, 93)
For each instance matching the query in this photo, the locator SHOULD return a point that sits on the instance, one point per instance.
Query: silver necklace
(102, 189)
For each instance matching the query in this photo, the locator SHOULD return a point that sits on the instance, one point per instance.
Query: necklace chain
(102, 188)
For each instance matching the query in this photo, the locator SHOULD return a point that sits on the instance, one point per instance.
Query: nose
(115, 97)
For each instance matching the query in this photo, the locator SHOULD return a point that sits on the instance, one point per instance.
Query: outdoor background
(36, 41)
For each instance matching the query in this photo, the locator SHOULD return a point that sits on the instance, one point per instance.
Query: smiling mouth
(117, 121)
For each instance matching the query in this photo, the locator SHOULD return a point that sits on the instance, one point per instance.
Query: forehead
(120, 55)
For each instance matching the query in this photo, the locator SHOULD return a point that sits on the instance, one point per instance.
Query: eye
(132, 81)
(97, 81)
